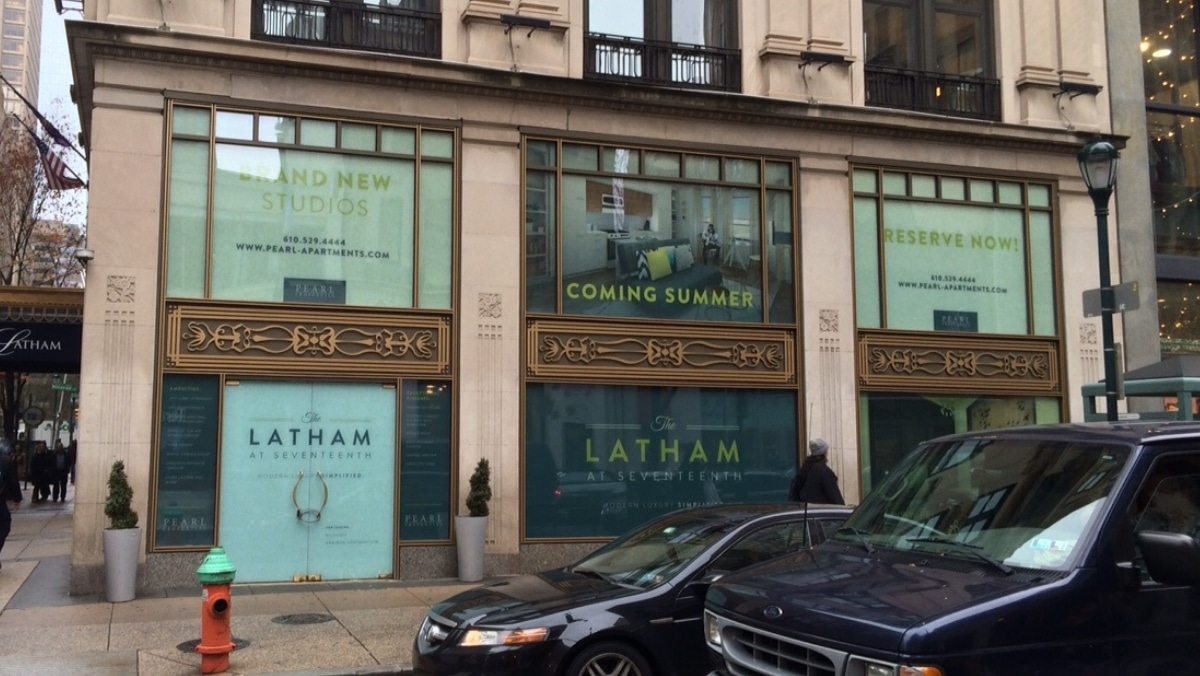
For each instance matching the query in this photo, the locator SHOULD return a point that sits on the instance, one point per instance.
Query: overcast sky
(54, 87)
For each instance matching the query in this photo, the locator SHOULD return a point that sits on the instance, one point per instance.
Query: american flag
(55, 169)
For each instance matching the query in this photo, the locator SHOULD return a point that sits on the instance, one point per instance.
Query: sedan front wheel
(609, 659)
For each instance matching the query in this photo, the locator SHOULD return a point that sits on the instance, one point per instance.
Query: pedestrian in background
(10, 489)
(72, 456)
(815, 481)
(60, 473)
(42, 470)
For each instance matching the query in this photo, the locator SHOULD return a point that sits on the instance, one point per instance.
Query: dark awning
(27, 347)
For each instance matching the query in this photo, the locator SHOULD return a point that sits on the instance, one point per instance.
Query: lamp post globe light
(1098, 164)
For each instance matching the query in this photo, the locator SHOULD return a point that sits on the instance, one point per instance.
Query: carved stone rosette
(215, 337)
(1001, 365)
(568, 350)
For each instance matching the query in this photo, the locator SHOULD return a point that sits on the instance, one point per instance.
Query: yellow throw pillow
(659, 263)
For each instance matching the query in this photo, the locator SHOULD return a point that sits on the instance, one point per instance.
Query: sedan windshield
(650, 555)
(1016, 502)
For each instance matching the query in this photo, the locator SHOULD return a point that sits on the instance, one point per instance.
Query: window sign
(336, 219)
(636, 245)
(187, 461)
(425, 461)
(309, 211)
(599, 460)
(962, 266)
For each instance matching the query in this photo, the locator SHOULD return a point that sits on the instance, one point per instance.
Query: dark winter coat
(815, 482)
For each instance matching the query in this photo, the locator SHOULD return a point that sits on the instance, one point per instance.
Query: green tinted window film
(741, 171)
(541, 154)
(436, 235)
(954, 267)
(702, 167)
(866, 180)
(235, 126)
(1041, 247)
(191, 121)
(425, 454)
(891, 425)
(437, 144)
(1009, 193)
(982, 191)
(187, 219)
(398, 141)
(318, 133)
(781, 265)
(1039, 195)
(187, 462)
(866, 263)
(621, 161)
(924, 186)
(953, 188)
(358, 137)
(779, 174)
(600, 460)
(541, 232)
(273, 129)
(895, 184)
(584, 158)
(663, 164)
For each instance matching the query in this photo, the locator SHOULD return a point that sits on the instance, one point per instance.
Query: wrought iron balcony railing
(348, 25)
(669, 64)
(959, 95)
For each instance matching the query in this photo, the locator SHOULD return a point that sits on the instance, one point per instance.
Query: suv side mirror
(1171, 558)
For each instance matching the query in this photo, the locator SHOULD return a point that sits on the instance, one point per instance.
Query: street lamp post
(1098, 164)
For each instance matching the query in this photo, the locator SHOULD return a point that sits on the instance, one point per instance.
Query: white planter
(471, 538)
(121, 549)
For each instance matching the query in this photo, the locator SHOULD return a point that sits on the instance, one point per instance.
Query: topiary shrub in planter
(471, 530)
(122, 539)
(118, 507)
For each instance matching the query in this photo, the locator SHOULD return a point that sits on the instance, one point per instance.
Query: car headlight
(475, 638)
(712, 630)
(865, 668)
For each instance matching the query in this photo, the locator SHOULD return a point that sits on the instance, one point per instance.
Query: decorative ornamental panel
(569, 350)
(215, 337)
(888, 361)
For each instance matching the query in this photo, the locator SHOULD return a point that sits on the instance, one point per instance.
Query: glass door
(308, 480)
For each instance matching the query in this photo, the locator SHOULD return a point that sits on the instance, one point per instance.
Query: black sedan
(631, 608)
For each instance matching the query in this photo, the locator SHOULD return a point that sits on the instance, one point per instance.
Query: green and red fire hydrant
(216, 636)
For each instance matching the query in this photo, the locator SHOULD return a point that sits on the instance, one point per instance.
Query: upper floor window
(272, 207)
(931, 55)
(684, 43)
(411, 27)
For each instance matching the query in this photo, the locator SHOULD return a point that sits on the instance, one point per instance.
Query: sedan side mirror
(1171, 558)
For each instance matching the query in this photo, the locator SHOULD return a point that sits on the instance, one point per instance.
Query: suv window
(1169, 499)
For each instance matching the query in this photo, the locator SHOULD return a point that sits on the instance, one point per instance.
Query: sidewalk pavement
(314, 629)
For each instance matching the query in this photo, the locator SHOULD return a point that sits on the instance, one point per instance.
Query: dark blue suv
(1059, 549)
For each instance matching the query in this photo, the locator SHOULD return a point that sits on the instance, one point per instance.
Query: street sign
(34, 415)
(1125, 297)
(64, 387)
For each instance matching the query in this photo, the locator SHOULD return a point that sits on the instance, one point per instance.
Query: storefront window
(1178, 322)
(309, 211)
(639, 241)
(891, 424)
(1174, 147)
(601, 459)
(965, 258)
